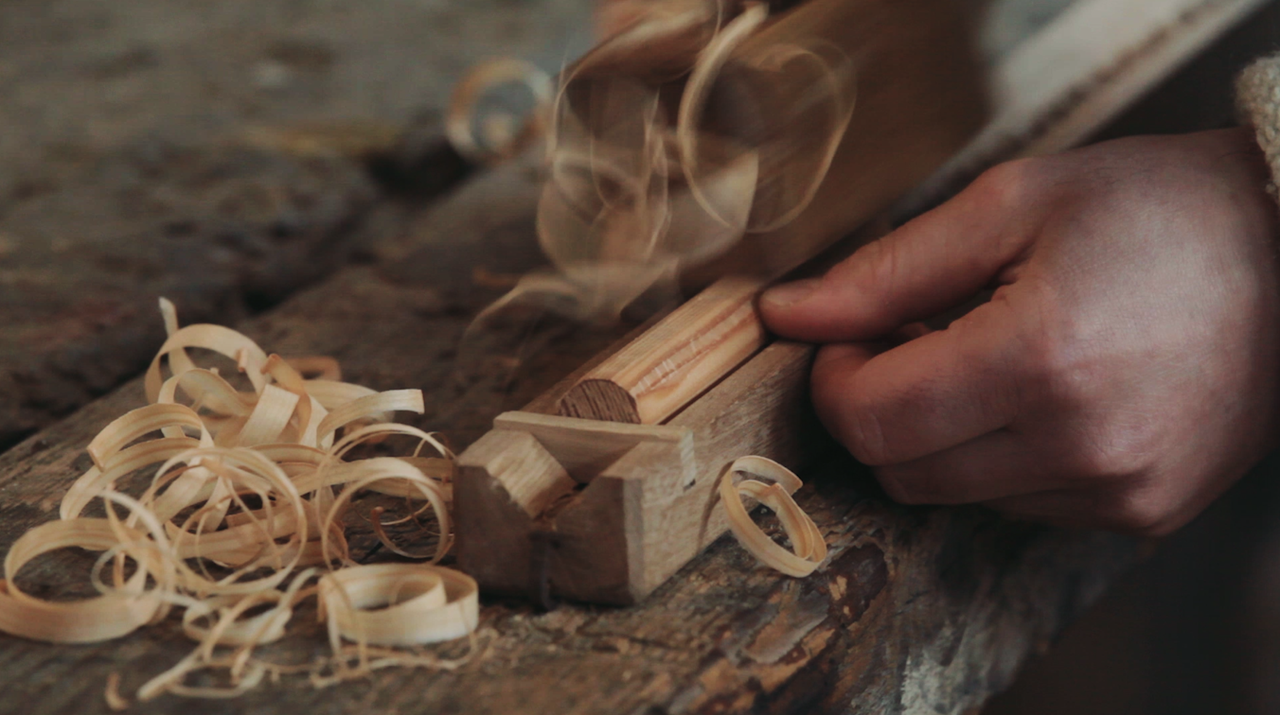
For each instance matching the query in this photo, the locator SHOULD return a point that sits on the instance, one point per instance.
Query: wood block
(505, 482)
(674, 361)
(648, 510)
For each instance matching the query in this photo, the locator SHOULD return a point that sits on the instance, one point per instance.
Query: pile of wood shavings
(242, 520)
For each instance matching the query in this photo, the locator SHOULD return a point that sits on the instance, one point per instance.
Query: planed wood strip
(548, 403)
(675, 361)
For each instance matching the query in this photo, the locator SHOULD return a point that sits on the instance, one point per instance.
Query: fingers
(997, 465)
(925, 396)
(929, 265)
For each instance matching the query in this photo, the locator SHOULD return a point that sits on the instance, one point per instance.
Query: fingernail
(790, 293)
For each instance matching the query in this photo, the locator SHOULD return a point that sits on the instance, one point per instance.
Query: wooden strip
(548, 403)
(675, 361)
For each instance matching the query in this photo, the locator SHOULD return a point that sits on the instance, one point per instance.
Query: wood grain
(761, 409)
(505, 482)
(675, 361)
(649, 504)
(921, 94)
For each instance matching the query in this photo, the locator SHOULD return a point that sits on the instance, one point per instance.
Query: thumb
(930, 264)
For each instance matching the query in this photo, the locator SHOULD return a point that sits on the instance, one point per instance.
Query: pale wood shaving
(244, 511)
(500, 137)
(809, 549)
(112, 695)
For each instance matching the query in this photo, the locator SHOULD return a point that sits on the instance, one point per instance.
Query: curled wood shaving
(708, 67)
(243, 518)
(668, 142)
(809, 549)
(112, 695)
(499, 137)
(398, 604)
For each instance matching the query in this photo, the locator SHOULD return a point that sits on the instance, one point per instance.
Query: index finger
(927, 395)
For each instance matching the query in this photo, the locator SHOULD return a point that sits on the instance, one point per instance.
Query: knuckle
(1142, 511)
(873, 271)
(1117, 447)
(1100, 439)
(882, 264)
(1006, 185)
(1059, 367)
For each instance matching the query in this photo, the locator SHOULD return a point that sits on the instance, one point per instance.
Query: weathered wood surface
(223, 154)
(919, 609)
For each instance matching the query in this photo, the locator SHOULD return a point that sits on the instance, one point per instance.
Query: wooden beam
(675, 361)
(505, 482)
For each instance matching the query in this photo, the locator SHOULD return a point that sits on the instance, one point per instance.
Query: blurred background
(271, 141)
(1195, 629)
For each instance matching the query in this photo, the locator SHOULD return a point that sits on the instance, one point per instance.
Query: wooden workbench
(917, 606)
(918, 610)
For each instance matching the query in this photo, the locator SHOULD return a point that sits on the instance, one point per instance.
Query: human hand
(1126, 370)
